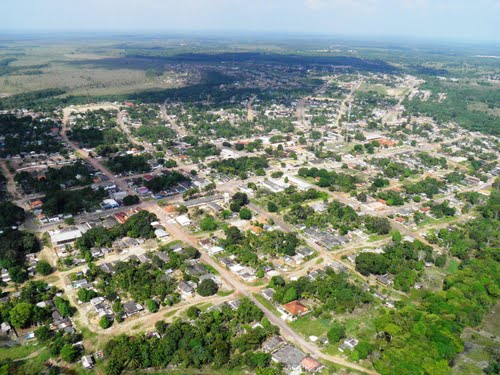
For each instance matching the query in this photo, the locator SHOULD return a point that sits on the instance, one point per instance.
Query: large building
(64, 236)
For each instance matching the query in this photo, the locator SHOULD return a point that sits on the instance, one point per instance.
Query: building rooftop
(295, 308)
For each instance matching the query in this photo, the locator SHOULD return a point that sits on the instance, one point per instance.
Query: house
(185, 289)
(273, 343)
(272, 186)
(109, 204)
(348, 343)
(96, 253)
(161, 233)
(234, 304)
(290, 357)
(109, 222)
(121, 217)
(205, 243)
(162, 256)
(384, 279)
(295, 308)
(309, 364)
(268, 293)
(131, 308)
(79, 283)
(87, 362)
(183, 220)
(215, 250)
(196, 270)
(107, 267)
(143, 258)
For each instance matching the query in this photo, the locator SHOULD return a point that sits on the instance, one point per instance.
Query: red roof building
(295, 308)
(309, 364)
(121, 217)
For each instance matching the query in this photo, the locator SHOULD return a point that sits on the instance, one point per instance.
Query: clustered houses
(100, 306)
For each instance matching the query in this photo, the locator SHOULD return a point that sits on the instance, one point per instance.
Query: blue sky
(438, 19)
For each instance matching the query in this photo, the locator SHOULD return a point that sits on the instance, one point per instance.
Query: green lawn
(432, 221)
(378, 237)
(309, 326)
(225, 293)
(17, 352)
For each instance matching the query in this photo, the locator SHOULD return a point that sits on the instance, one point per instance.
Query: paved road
(83, 154)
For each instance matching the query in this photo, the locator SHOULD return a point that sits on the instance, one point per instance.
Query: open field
(58, 66)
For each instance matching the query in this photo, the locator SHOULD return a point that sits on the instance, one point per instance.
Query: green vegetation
(14, 245)
(72, 201)
(25, 135)
(285, 199)
(166, 181)
(401, 259)
(332, 180)
(137, 226)
(333, 292)
(211, 340)
(429, 186)
(10, 215)
(129, 163)
(207, 287)
(456, 107)
(68, 176)
(424, 337)
(240, 167)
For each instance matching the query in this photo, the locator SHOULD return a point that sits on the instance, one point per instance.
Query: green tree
(336, 332)
(69, 353)
(207, 287)
(130, 200)
(43, 268)
(105, 322)
(152, 305)
(21, 314)
(64, 307)
(272, 207)
(290, 295)
(161, 327)
(208, 224)
(245, 214)
(85, 295)
(43, 334)
(193, 312)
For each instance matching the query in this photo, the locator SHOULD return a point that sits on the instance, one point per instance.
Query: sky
(468, 20)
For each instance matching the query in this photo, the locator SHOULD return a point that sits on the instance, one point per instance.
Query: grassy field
(80, 71)
(17, 352)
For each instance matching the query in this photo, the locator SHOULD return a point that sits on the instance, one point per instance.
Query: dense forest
(423, 336)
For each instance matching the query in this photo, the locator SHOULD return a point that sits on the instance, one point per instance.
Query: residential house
(290, 357)
(131, 308)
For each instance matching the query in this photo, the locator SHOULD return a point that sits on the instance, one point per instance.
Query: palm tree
(113, 367)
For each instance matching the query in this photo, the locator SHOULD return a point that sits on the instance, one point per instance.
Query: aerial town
(256, 217)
